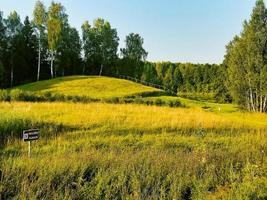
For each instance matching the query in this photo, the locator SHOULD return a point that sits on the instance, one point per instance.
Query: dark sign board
(30, 135)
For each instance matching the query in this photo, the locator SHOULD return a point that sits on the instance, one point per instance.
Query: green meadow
(92, 87)
(99, 150)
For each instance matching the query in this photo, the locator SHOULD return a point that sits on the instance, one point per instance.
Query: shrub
(4, 95)
(112, 100)
(149, 102)
(176, 103)
(159, 102)
(139, 101)
(17, 95)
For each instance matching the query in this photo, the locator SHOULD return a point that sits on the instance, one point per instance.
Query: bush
(139, 101)
(17, 95)
(159, 102)
(4, 95)
(112, 100)
(149, 102)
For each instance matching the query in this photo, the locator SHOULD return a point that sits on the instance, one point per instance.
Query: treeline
(207, 80)
(47, 47)
(29, 48)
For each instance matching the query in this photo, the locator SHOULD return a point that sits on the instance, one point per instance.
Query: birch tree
(134, 49)
(39, 15)
(100, 43)
(246, 60)
(54, 28)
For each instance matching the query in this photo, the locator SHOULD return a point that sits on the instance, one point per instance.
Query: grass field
(94, 87)
(130, 151)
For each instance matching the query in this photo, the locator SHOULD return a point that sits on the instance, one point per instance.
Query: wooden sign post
(30, 135)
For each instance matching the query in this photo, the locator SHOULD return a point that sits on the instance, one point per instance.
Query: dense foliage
(246, 61)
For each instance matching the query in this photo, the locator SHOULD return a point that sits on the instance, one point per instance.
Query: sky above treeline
(174, 30)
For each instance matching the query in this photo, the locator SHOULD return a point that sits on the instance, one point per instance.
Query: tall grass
(107, 151)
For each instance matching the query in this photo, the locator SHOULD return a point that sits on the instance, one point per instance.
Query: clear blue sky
(174, 30)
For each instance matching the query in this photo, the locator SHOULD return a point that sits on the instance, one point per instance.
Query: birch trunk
(101, 69)
(261, 103)
(39, 60)
(252, 100)
(51, 65)
(264, 104)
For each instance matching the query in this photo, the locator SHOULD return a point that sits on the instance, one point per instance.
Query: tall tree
(178, 79)
(246, 60)
(89, 44)
(168, 81)
(39, 19)
(26, 53)
(2, 47)
(13, 29)
(133, 55)
(54, 27)
(69, 49)
(100, 43)
(134, 49)
(109, 42)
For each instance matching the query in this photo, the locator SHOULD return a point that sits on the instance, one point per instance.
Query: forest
(47, 46)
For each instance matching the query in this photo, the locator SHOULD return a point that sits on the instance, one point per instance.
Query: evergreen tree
(178, 79)
(26, 54)
(13, 30)
(168, 81)
(69, 50)
(149, 73)
(2, 48)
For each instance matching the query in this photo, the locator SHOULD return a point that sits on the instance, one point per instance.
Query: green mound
(90, 86)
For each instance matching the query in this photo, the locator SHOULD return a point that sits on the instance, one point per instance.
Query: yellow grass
(132, 152)
(131, 116)
(89, 86)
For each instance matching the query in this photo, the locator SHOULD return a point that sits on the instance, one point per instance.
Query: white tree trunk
(264, 104)
(51, 65)
(261, 103)
(101, 69)
(39, 60)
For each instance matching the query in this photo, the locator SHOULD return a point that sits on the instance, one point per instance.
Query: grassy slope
(105, 87)
(89, 86)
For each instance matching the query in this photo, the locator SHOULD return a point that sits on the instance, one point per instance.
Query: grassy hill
(89, 86)
(106, 88)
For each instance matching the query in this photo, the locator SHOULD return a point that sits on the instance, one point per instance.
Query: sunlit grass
(88, 86)
(130, 116)
(110, 151)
